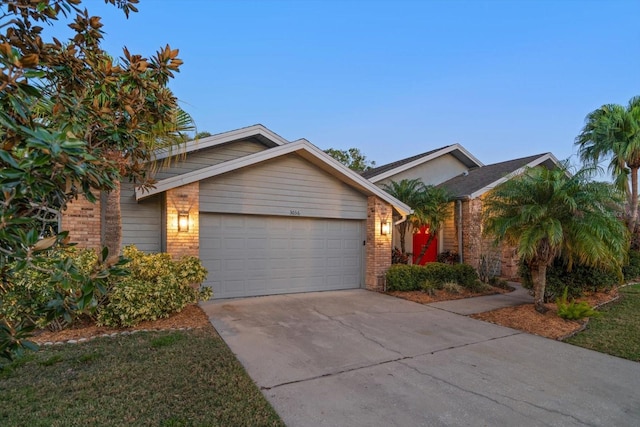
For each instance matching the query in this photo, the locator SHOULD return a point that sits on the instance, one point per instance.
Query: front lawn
(617, 331)
(172, 378)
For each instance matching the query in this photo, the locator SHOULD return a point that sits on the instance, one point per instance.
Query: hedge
(402, 277)
(580, 279)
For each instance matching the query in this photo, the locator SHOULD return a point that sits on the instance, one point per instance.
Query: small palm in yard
(548, 214)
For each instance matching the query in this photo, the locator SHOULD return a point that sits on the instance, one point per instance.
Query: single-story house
(468, 180)
(265, 216)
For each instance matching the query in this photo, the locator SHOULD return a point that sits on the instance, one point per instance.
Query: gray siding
(141, 221)
(285, 186)
(450, 231)
(211, 156)
(433, 172)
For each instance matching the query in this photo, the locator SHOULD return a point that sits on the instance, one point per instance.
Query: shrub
(413, 277)
(452, 287)
(449, 257)
(632, 270)
(574, 310)
(35, 288)
(399, 257)
(156, 287)
(580, 279)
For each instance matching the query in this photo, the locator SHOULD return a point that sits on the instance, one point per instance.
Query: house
(265, 216)
(468, 180)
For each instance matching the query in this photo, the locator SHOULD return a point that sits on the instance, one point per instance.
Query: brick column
(82, 220)
(472, 231)
(183, 199)
(378, 247)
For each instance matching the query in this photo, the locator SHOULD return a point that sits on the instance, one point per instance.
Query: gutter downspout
(401, 220)
(459, 203)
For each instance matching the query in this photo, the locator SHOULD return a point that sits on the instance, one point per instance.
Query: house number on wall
(294, 212)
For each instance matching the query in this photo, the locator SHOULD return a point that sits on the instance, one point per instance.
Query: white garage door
(250, 255)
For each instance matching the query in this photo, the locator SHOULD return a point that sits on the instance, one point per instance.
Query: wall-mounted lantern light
(183, 221)
(385, 228)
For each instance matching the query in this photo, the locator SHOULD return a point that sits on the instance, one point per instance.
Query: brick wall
(378, 247)
(183, 199)
(479, 250)
(81, 219)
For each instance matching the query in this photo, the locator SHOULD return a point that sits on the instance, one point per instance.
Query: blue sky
(505, 79)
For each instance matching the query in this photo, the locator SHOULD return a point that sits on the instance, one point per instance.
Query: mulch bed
(191, 316)
(549, 325)
(442, 295)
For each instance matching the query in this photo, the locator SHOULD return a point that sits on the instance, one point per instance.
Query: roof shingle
(479, 178)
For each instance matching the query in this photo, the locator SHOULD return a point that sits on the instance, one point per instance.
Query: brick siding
(378, 247)
(183, 199)
(82, 219)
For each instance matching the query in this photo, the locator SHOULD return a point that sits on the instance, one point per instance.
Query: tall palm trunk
(425, 247)
(633, 219)
(539, 278)
(402, 230)
(112, 237)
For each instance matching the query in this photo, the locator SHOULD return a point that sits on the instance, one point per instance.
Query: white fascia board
(221, 138)
(517, 172)
(424, 159)
(303, 147)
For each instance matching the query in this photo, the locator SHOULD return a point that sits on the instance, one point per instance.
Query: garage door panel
(254, 255)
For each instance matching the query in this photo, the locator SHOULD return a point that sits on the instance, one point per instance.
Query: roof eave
(301, 147)
(442, 152)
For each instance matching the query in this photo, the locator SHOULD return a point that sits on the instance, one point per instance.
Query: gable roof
(390, 169)
(301, 147)
(478, 181)
(258, 131)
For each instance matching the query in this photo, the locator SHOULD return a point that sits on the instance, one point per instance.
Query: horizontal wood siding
(450, 231)
(433, 172)
(211, 156)
(288, 186)
(141, 221)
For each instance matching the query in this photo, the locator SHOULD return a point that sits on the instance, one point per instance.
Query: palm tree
(164, 136)
(408, 191)
(613, 132)
(432, 209)
(548, 214)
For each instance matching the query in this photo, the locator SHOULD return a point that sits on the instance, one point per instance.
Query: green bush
(574, 310)
(35, 288)
(632, 270)
(580, 279)
(156, 287)
(413, 277)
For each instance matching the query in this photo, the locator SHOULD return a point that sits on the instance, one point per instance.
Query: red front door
(420, 238)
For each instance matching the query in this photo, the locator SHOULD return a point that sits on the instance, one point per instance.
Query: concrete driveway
(358, 358)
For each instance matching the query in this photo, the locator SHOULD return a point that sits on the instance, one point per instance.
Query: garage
(251, 255)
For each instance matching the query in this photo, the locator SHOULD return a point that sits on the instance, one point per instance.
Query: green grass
(177, 378)
(617, 331)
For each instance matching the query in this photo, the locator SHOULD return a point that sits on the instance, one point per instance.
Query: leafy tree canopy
(351, 158)
(72, 121)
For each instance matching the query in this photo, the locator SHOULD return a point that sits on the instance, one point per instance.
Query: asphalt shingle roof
(478, 178)
(384, 168)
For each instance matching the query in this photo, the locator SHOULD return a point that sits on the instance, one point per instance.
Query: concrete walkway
(359, 358)
(474, 305)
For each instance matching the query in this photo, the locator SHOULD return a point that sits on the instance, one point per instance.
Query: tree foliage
(73, 121)
(430, 208)
(612, 132)
(351, 158)
(548, 213)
